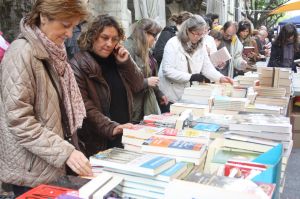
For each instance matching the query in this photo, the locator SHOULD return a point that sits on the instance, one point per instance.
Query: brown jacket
(97, 128)
(32, 148)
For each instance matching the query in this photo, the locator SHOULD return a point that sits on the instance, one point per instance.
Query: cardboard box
(295, 120)
(296, 138)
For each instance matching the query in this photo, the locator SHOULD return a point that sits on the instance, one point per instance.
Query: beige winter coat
(32, 148)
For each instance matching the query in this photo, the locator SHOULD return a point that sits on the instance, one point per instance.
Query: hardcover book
(122, 159)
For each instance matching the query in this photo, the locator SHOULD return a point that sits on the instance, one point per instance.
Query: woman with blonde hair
(41, 102)
(139, 44)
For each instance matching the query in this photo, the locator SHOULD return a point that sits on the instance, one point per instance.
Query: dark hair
(94, 29)
(229, 24)
(287, 31)
(212, 17)
(55, 9)
(216, 34)
(208, 21)
(244, 25)
(181, 17)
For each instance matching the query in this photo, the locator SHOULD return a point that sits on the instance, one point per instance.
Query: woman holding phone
(107, 78)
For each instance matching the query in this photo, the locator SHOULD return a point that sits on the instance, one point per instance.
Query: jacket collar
(28, 33)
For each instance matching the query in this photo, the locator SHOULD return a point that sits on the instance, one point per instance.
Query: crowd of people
(63, 102)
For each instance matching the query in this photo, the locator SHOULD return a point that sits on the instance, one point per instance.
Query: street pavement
(292, 181)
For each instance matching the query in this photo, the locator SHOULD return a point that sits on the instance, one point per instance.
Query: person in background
(262, 45)
(72, 43)
(107, 78)
(3, 46)
(218, 37)
(184, 58)
(214, 20)
(167, 33)
(139, 43)
(244, 34)
(284, 48)
(230, 40)
(41, 100)
(208, 41)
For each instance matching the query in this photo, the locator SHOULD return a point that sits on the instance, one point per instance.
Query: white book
(87, 190)
(220, 56)
(117, 158)
(109, 186)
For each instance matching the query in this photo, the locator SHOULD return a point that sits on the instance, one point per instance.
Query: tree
(258, 11)
(11, 12)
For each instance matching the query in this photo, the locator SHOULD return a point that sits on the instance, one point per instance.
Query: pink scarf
(72, 98)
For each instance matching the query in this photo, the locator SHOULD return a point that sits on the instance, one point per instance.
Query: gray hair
(194, 23)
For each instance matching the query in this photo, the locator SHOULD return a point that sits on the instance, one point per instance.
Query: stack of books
(229, 103)
(164, 120)
(182, 149)
(145, 175)
(197, 110)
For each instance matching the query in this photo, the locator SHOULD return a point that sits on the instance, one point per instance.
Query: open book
(248, 50)
(220, 56)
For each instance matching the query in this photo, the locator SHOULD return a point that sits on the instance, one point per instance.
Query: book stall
(220, 141)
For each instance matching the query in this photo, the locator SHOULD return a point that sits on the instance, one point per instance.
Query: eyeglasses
(106, 38)
(195, 34)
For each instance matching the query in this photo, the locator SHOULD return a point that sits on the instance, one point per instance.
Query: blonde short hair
(56, 9)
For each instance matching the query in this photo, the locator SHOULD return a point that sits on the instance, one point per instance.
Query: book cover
(220, 56)
(243, 169)
(132, 161)
(45, 191)
(207, 127)
(248, 50)
(173, 147)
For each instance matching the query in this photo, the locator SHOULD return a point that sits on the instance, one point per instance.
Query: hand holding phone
(121, 53)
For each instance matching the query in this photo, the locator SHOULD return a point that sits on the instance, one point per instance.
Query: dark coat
(276, 57)
(166, 34)
(97, 128)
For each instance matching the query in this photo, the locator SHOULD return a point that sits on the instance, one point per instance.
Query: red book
(45, 191)
(243, 169)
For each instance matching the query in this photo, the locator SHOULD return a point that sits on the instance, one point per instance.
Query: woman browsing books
(185, 58)
(107, 78)
(41, 102)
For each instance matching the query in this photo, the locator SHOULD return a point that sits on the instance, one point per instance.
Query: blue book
(207, 127)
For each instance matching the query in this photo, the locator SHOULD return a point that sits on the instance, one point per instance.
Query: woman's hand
(119, 129)
(221, 65)
(79, 164)
(226, 79)
(153, 81)
(121, 53)
(164, 100)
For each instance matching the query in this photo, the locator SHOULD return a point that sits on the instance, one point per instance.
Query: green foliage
(258, 12)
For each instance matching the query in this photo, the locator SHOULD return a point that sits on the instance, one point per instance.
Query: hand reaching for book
(79, 164)
(119, 129)
(226, 79)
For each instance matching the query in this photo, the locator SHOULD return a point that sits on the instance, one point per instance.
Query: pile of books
(145, 175)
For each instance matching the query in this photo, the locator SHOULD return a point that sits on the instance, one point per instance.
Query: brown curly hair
(88, 37)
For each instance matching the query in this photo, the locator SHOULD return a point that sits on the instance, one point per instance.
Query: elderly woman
(185, 58)
(107, 78)
(41, 102)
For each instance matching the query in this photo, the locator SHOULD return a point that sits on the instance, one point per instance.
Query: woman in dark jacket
(285, 48)
(107, 77)
(167, 33)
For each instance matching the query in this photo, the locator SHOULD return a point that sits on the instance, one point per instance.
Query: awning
(287, 7)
